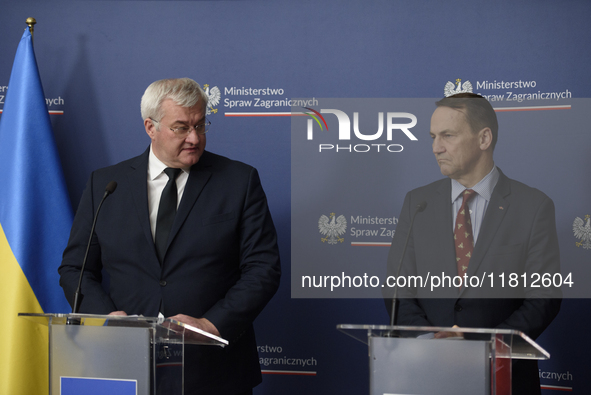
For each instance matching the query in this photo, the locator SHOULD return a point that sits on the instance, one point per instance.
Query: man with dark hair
(477, 110)
(187, 234)
(477, 221)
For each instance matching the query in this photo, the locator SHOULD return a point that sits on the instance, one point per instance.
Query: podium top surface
(521, 345)
(191, 334)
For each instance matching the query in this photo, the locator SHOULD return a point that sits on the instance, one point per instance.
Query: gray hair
(183, 92)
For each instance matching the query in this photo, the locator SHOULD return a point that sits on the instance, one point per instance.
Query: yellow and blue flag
(35, 221)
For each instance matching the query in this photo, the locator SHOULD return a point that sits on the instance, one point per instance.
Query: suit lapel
(198, 177)
(495, 212)
(442, 230)
(137, 177)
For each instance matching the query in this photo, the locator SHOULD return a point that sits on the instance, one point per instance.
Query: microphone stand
(78, 295)
(393, 314)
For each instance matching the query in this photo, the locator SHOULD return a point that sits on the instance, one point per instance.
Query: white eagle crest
(331, 229)
(214, 95)
(450, 87)
(582, 231)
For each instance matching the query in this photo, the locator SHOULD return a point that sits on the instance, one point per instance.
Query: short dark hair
(478, 111)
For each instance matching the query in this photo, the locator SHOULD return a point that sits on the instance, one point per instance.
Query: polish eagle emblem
(332, 228)
(214, 95)
(451, 88)
(582, 231)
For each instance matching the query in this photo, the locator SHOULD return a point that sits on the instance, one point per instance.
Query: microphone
(113, 185)
(78, 296)
(419, 209)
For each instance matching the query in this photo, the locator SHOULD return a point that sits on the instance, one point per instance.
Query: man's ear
(150, 127)
(485, 136)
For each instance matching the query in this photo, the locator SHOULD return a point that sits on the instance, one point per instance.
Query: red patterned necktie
(463, 238)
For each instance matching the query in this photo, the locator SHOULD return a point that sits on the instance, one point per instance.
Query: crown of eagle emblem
(214, 95)
(451, 88)
(332, 228)
(582, 231)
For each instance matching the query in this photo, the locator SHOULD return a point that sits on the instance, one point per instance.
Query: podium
(95, 354)
(408, 360)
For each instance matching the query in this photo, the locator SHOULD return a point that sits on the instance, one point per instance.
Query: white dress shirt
(157, 180)
(478, 203)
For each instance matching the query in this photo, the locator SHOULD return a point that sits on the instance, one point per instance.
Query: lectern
(408, 360)
(99, 354)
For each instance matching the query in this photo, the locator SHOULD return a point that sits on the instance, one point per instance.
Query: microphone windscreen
(111, 187)
(421, 206)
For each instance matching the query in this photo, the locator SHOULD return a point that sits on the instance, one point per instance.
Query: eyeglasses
(184, 131)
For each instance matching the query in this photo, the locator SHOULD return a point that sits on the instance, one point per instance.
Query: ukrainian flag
(35, 220)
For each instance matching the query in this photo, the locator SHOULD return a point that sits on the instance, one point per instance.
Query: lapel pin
(500, 207)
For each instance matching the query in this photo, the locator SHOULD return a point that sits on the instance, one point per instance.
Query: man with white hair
(187, 234)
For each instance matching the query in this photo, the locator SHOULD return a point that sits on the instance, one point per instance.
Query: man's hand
(443, 335)
(201, 323)
(117, 313)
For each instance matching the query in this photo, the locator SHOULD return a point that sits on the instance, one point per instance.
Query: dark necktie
(166, 212)
(463, 238)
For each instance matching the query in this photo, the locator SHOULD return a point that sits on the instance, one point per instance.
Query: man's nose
(437, 146)
(193, 137)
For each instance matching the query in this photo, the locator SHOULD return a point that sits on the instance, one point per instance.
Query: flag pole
(31, 22)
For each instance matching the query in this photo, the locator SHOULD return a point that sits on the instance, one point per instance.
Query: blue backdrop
(97, 57)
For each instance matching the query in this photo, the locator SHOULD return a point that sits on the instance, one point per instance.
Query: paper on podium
(193, 335)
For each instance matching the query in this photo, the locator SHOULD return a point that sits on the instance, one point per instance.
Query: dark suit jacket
(517, 235)
(221, 263)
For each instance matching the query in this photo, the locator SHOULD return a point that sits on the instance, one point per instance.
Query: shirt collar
(483, 188)
(156, 167)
